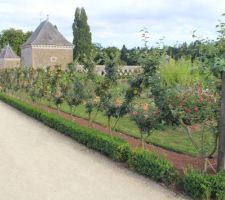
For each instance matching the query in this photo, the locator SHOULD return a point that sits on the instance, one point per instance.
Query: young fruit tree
(75, 94)
(147, 119)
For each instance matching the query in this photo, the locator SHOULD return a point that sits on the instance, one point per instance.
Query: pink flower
(201, 99)
(195, 108)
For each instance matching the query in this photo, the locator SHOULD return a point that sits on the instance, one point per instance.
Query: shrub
(110, 146)
(218, 186)
(201, 186)
(196, 184)
(152, 166)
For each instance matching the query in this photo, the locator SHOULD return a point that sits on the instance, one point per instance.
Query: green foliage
(57, 86)
(111, 68)
(176, 80)
(89, 64)
(123, 54)
(201, 186)
(75, 93)
(105, 91)
(181, 73)
(146, 117)
(193, 104)
(14, 37)
(81, 36)
(152, 166)
(218, 185)
(197, 185)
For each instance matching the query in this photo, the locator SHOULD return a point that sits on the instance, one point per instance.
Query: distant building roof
(47, 34)
(7, 52)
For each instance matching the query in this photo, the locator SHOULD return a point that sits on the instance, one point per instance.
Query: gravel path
(38, 163)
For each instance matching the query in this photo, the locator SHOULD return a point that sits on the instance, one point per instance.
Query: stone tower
(46, 47)
(8, 58)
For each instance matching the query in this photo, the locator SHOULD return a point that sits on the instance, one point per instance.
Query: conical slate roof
(47, 34)
(7, 52)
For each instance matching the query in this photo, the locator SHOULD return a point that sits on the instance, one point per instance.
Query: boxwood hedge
(152, 165)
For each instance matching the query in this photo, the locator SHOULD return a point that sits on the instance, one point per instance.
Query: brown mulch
(180, 161)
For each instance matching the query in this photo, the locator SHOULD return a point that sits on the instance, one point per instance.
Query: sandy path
(38, 163)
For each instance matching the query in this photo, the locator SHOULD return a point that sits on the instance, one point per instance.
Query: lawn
(172, 138)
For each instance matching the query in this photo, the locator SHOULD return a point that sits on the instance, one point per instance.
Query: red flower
(201, 99)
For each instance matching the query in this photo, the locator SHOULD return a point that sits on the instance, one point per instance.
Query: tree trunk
(89, 118)
(58, 106)
(205, 160)
(142, 141)
(71, 112)
(221, 149)
(114, 126)
(109, 124)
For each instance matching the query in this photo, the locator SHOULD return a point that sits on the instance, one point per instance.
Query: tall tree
(13, 37)
(81, 36)
(123, 54)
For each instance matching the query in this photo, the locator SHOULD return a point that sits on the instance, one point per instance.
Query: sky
(118, 22)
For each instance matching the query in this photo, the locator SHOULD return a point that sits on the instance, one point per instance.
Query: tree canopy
(82, 39)
(14, 37)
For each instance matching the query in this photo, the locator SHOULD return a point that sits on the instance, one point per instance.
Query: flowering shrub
(193, 105)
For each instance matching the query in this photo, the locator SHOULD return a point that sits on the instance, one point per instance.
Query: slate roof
(7, 52)
(47, 34)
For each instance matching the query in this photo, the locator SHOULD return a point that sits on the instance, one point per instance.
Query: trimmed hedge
(108, 145)
(153, 166)
(201, 186)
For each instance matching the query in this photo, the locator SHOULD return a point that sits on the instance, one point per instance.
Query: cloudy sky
(118, 22)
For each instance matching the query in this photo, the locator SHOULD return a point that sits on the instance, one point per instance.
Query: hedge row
(196, 184)
(153, 166)
(200, 185)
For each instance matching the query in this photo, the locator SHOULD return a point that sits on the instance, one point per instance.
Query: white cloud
(118, 22)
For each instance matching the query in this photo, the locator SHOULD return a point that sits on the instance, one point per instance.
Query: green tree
(14, 37)
(123, 54)
(147, 119)
(81, 35)
(104, 90)
(75, 94)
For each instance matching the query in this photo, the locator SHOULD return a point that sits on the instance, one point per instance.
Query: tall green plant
(82, 39)
(75, 94)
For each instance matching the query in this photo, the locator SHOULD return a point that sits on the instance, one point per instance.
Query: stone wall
(123, 70)
(39, 57)
(9, 62)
